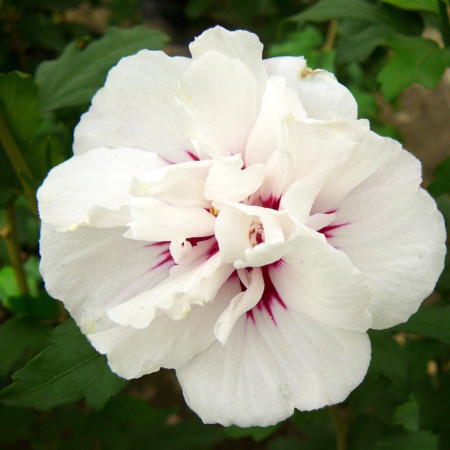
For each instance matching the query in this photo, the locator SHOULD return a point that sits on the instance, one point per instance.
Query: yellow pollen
(215, 212)
(306, 72)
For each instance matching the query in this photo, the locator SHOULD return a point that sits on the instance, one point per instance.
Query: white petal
(395, 236)
(183, 251)
(226, 180)
(266, 370)
(278, 102)
(191, 284)
(91, 189)
(322, 96)
(238, 44)
(335, 157)
(232, 233)
(318, 221)
(371, 153)
(136, 109)
(166, 342)
(220, 95)
(179, 184)
(156, 221)
(298, 200)
(239, 305)
(91, 270)
(279, 173)
(320, 281)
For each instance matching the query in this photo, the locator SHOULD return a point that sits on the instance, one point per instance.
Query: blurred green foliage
(53, 57)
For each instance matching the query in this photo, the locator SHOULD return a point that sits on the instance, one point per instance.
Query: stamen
(256, 234)
(215, 212)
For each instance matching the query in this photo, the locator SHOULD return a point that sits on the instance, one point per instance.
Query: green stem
(331, 36)
(340, 426)
(18, 162)
(445, 22)
(9, 235)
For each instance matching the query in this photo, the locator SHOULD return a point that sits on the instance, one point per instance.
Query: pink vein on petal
(192, 155)
(164, 254)
(327, 231)
(270, 293)
(272, 202)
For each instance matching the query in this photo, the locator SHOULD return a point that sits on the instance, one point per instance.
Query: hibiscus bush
(231, 211)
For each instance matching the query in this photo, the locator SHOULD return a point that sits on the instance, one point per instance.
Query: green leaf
(388, 358)
(407, 415)
(78, 73)
(18, 335)
(19, 127)
(360, 10)
(316, 425)
(67, 370)
(419, 440)
(298, 43)
(415, 5)
(441, 179)
(443, 204)
(432, 322)
(15, 424)
(367, 105)
(8, 285)
(359, 45)
(256, 433)
(307, 43)
(415, 60)
(27, 147)
(24, 305)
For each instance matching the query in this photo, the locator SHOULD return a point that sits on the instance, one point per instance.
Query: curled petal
(192, 284)
(322, 96)
(228, 181)
(320, 281)
(93, 269)
(239, 305)
(278, 102)
(156, 221)
(239, 44)
(179, 184)
(221, 118)
(92, 189)
(165, 342)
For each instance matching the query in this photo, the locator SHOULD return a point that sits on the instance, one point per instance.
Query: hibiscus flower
(229, 217)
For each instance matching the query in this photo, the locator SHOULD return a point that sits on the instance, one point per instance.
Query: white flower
(231, 218)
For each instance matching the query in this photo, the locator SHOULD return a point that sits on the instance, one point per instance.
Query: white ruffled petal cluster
(231, 218)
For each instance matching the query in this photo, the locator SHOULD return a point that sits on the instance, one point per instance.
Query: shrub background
(56, 391)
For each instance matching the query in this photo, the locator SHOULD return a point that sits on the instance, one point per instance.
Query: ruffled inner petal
(165, 342)
(227, 180)
(179, 184)
(93, 189)
(320, 281)
(239, 305)
(322, 96)
(196, 283)
(278, 102)
(239, 44)
(92, 270)
(156, 221)
(220, 96)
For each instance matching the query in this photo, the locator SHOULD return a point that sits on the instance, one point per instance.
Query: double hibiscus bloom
(229, 217)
